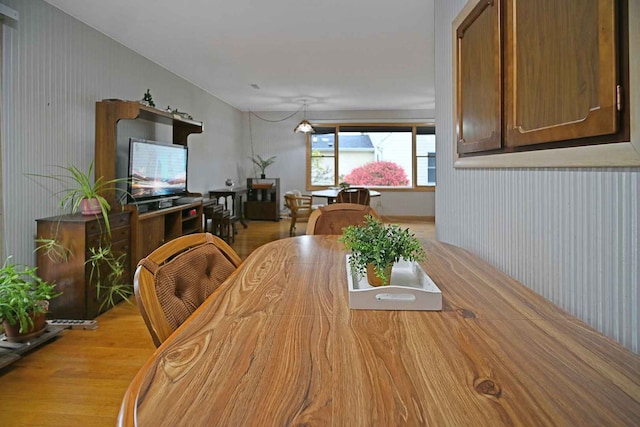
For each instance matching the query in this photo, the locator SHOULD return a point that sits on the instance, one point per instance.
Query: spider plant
(109, 287)
(80, 186)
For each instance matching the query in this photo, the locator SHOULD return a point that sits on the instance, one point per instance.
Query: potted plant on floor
(375, 247)
(24, 301)
(263, 164)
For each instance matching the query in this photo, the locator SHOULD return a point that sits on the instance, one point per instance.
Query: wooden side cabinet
(79, 234)
(263, 199)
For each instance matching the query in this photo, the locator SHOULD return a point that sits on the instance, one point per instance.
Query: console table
(236, 194)
(276, 344)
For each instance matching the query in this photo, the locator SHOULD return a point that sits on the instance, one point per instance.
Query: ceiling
(270, 55)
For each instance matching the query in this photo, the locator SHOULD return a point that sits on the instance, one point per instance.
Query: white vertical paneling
(55, 68)
(569, 234)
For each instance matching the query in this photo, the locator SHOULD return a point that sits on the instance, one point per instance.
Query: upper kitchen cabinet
(561, 62)
(541, 74)
(479, 79)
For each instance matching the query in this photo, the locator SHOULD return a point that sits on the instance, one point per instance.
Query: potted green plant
(82, 193)
(263, 163)
(24, 301)
(375, 247)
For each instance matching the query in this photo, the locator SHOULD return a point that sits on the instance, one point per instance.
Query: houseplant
(375, 247)
(82, 193)
(263, 164)
(107, 270)
(24, 300)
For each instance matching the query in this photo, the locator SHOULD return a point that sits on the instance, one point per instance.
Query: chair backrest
(172, 281)
(331, 219)
(357, 195)
(298, 205)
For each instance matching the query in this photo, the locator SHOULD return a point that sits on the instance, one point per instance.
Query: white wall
(278, 139)
(54, 70)
(571, 235)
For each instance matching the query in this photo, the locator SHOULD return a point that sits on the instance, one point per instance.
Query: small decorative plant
(22, 295)
(147, 99)
(263, 164)
(375, 247)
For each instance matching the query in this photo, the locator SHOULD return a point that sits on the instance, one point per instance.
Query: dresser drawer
(98, 227)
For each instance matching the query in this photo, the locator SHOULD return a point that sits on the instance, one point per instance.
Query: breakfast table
(277, 344)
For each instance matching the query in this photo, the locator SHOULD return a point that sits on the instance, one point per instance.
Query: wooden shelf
(149, 229)
(110, 111)
(154, 228)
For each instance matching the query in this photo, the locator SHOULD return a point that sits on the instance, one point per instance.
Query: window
(426, 155)
(376, 156)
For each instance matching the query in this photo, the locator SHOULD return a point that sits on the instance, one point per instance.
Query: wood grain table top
(278, 345)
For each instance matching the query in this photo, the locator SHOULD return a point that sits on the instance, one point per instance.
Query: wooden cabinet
(533, 72)
(110, 111)
(263, 199)
(79, 234)
(150, 229)
(154, 228)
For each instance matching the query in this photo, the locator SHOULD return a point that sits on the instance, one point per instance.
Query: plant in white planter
(376, 246)
(24, 300)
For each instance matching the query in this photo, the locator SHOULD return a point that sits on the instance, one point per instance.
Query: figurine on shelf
(147, 99)
(182, 114)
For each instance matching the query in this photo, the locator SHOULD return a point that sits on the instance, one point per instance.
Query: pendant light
(304, 126)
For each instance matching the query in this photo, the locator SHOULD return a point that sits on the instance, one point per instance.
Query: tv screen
(156, 169)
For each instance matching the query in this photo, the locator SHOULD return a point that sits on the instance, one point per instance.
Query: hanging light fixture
(304, 126)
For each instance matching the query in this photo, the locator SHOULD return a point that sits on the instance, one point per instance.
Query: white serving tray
(410, 288)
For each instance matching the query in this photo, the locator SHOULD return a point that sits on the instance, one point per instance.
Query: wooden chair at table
(300, 207)
(357, 195)
(331, 219)
(172, 281)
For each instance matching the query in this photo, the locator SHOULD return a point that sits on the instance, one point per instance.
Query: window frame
(372, 126)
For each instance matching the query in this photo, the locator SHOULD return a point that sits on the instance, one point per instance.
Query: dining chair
(172, 281)
(299, 206)
(331, 219)
(357, 195)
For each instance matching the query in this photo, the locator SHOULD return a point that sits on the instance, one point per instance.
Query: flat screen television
(156, 170)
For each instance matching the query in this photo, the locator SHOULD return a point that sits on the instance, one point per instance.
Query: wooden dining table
(277, 344)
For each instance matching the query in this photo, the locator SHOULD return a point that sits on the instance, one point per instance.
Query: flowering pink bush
(378, 173)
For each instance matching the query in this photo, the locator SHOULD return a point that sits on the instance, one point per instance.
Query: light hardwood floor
(80, 378)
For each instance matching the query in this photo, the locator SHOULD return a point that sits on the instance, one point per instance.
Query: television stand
(154, 227)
